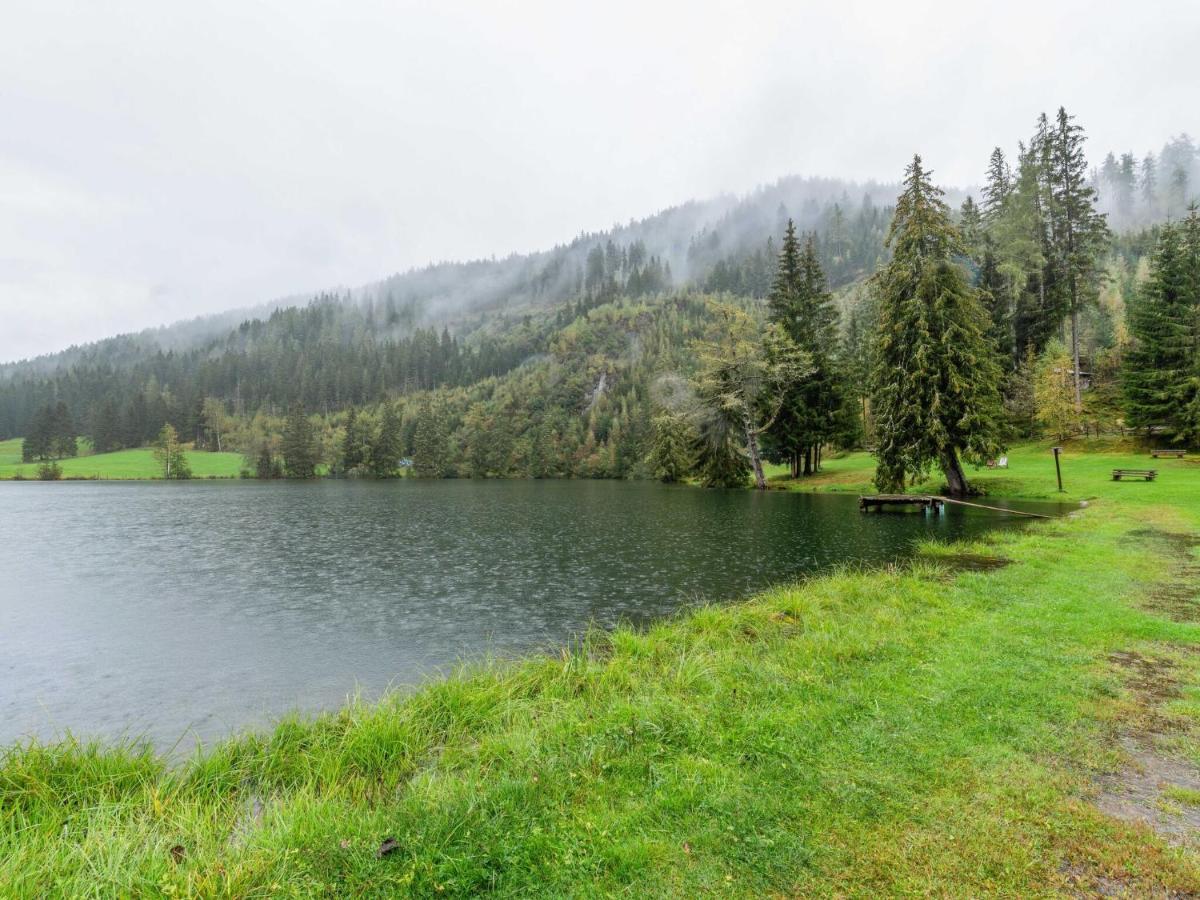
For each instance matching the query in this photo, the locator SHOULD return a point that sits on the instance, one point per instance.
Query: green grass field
(122, 465)
(921, 731)
(1086, 467)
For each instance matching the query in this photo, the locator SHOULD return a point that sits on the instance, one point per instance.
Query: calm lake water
(190, 610)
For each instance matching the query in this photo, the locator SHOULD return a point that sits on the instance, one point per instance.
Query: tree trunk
(956, 481)
(1075, 350)
(760, 481)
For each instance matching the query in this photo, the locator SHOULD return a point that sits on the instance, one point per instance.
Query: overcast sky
(160, 159)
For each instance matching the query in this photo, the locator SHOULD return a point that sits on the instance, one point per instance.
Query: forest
(1060, 298)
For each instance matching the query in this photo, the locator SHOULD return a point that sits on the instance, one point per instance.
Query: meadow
(943, 728)
(137, 464)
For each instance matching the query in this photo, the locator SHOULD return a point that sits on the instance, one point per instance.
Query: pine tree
(430, 440)
(354, 445)
(671, 448)
(784, 300)
(1080, 232)
(299, 446)
(105, 427)
(998, 186)
(387, 447)
(970, 226)
(720, 460)
(936, 379)
(39, 440)
(1148, 182)
(813, 409)
(1161, 365)
(62, 432)
(264, 465)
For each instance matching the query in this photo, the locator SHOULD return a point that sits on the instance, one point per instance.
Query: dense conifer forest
(703, 340)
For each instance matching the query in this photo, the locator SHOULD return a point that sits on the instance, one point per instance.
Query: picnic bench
(1147, 474)
(1169, 454)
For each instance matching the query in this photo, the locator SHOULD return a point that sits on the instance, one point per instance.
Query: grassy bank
(124, 465)
(1086, 469)
(930, 730)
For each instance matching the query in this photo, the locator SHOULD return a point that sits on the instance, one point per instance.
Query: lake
(186, 611)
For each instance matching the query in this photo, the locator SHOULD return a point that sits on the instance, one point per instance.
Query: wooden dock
(880, 502)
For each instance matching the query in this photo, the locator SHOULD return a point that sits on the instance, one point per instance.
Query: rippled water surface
(190, 610)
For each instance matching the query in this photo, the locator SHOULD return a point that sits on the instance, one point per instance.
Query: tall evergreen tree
(355, 446)
(299, 445)
(802, 306)
(105, 427)
(387, 448)
(1148, 182)
(1080, 231)
(671, 448)
(997, 187)
(936, 379)
(1161, 365)
(430, 441)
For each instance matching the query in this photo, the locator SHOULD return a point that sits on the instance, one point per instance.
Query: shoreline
(928, 728)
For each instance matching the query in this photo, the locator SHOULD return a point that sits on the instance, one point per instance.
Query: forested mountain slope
(460, 327)
(446, 324)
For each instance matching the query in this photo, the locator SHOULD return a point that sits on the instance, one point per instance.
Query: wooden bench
(1147, 474)
(1169, 454)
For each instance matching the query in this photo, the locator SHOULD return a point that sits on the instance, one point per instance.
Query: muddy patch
(1152, 679)
(1083, 881)
(1178, 596)
(1153, 788)
(1158, 791)
(1179, 541)
(1179, 602)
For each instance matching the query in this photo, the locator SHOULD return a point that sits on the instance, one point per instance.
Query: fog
(163, 161)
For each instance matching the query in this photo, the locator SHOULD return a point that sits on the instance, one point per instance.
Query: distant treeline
(573, 384)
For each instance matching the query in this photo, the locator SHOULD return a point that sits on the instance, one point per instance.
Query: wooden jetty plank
(879, 501)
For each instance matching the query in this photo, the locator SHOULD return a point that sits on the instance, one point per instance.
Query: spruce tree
(936, 378)
(387, 448)
(1148, 183)
(62, 432)
(1160, 367)
(354, 445)
(299, 445)
(1080, 232)
(783, 299)
(813, 409)
(39, 439)
(720, 460)
(105, 427)
(671, 448)
(430, 443)
(970, 226)
(997, 188)
(264, 465)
